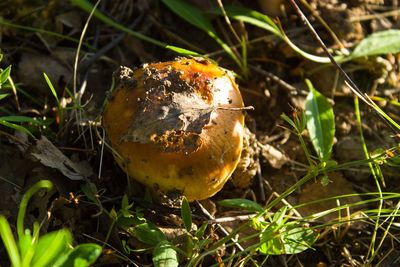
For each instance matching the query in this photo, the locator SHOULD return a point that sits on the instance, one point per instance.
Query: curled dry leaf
(171, 108)
(50, 156)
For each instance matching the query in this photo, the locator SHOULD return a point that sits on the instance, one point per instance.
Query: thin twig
(323, 23)
(221, 228)
(291, 89)
(227, 20)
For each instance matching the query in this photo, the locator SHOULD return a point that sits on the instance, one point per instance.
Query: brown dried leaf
(171, 113)
(52, 157)
(183, 113)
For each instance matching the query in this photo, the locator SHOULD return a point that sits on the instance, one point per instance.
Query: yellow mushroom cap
(177, 126)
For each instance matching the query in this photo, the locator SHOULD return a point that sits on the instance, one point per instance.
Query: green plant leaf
(190, 13)
(297, 238)
(16, 127)
(3, 96)
(378, 43)
(9, 242)
(182, 51)
(53, 90)
(50, 247)
(264, 22)
(320, 122)
(292, 238)
(186, 215)
(164, 255)
(147, 233)
(26, 244)
(240, 203)
(90, 191)
(83, 255)
(88, 7)
(20, 119)
(4, 75)
(42, 184)
(200, 232)
(195, 16)
(249, 16)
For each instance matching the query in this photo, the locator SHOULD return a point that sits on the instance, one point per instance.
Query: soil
(72, 154)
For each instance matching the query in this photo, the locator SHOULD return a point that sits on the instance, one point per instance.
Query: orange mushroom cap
(177, 126)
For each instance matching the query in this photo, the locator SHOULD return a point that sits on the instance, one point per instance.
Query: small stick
(291, 89)
(222, 229)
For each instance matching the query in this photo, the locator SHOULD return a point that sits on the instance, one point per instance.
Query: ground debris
(50, 156)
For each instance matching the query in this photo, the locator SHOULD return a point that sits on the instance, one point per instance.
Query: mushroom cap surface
(176, 126)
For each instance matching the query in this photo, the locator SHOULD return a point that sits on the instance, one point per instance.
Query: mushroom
(176, 126)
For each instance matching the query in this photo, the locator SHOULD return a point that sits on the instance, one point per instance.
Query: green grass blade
(6, 23)
(383, 113)
(88, 7)
(182, 51)
(9, 242)
(250, 16)
(195, 16)
(264, 22)
(190, 14)
(53, 90)
(24, 203)
(320, 122)
(21, 119)
(16, 127)
(309, 56)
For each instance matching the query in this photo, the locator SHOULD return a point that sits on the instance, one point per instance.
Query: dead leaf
(52, 157)
(32, 66)
(171, 110)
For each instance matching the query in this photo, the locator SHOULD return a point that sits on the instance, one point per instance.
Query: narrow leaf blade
(196, 17)
(320, 122)
(9, 242)
(186, 215)
(240, 203)
(190, 13)
(249, 16)
(16, 127)
(5, 74)
(53, 90)
(3, 96)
